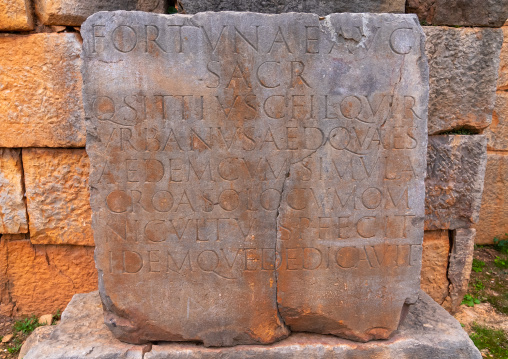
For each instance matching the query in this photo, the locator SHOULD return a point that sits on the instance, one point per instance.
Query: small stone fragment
(454, 183)
(13, 215)
(462, 92)
(461, 260)
(46, 319)
(7, 338)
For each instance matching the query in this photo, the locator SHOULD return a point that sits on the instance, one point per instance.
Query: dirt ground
(488, 286)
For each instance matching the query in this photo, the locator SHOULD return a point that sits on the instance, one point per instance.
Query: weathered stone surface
(16, 15)
(428, 332)
(12, 204)
(502, 81)
(323, 7)
(58, 198)
(497, 132)
(463, 68)
(40, 91)
(461, 260)
(222, 159)
(434, 277)
(74, 12)
(491, 13)
(494, 212)
(41, 279)
(454, 183)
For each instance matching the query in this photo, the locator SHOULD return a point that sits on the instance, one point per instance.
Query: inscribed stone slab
(243, 163)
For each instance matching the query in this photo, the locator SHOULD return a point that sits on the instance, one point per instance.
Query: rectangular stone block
(16, 15)
(252, 173)
(454, 183)
(502, 81)
(490, 13)
(463, 70)
(40, 91)
(12, 203)
(323, 7)
(497, 132)
(41, 279)
(434, 277)
(58, 198)
(74, 12)
(494, 211)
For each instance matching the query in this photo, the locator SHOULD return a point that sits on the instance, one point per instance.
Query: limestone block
(16, 15)
(40, 91)
(497, 132)
(289, 179)
(463, 70)
(12, 204)
(43, 278)
(74, 12)
(429, 332)
(494, 212)
(461, 260)
(58, 198)
(454, 183)
(323, 7)
(490, 13)
(436, 250)
(502, 81)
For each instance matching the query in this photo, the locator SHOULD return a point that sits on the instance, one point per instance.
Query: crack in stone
(276, 272)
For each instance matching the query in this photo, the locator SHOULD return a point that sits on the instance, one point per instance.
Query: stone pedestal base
(428, 332)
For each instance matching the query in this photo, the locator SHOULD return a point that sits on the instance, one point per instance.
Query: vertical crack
(276, 272)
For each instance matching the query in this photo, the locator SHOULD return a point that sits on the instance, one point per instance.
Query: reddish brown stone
(40, 91)
(434, 277)
(16, 15)
(490, 13)
(41, 279)
(58, 199)
(497, 132)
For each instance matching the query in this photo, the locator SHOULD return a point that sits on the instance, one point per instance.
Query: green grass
(470, 301)
(459, 131)
(478, 265)
(495, 341)
(27, 325)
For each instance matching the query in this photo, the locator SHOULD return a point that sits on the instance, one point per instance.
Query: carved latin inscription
(255, 174)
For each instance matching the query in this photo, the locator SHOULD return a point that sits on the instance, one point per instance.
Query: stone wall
(46, 244)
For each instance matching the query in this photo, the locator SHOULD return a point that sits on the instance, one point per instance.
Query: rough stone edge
(428, 330)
